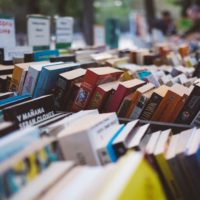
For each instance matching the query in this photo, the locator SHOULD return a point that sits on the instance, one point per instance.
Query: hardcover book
(93, 78)
(123, 89)
(64, 86)
(48, 77)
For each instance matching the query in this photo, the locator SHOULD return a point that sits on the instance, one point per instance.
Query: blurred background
(135, 17)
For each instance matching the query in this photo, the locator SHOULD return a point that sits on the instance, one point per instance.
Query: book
(135, 140)
(101, 144)
(6, 69)
(153, 103)
(3, 83)
(126, 180)
(15, 142)
(32, 77)
(74, 92)
(71, 138)
(30, 112)
(4, 103)
(101, 94)
(35, 158)
(48, 77)
(123, 89)
(6, 95)
(64, 86)
(120, 143)
(18, 76)
(136, 96)
(159, 153)
(63, 58)
(143, 100)
(45, 55)
(191, 107)
(93, 78)
(45, 181)
(7, 128)
(166, 107)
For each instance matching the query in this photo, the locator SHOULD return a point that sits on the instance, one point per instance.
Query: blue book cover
(48, 77)
(13, 99)
(45, 55)
(109, 147)
(17, 141)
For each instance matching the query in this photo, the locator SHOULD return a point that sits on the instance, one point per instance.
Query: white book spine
(79, 147)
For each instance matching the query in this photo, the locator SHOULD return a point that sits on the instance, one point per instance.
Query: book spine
(151, 107)
(30, 81)
(196, 120)
(83, 97)
(71, 98)
(1, 55)
(191, 107)
(170, 106)
(124, 107)
(60, 91)
(15, 81)
(133, 103)
(139, 107)
(117, 99)
(120, 149)
(103, 156)
(21, 84)
(97, 99)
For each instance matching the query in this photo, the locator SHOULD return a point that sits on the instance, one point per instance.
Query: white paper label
(38, 31)
(64, 30)
(7, 32)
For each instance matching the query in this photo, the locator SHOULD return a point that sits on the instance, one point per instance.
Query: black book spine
(191, 107)
(151, 106)
(119, 149)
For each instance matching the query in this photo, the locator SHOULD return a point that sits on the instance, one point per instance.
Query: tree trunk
(33, 6)
(62, 7)
(88, 21)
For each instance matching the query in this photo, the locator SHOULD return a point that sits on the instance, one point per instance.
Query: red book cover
(123, 90)
(101, 93)
(93, 78)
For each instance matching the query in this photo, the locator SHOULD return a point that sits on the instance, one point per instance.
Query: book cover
(191, 107)
(32, 77)
(101, 94)
(93, 78)
(85, 130)
(48, 77)
(124, 88)
(64, 86)
(153, 103)
(30, 112)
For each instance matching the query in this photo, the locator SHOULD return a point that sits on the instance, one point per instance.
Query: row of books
(167, 162)
(154, 93)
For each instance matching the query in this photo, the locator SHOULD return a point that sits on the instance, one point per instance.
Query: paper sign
(64, 30)
(7, 32)
(38, 31)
